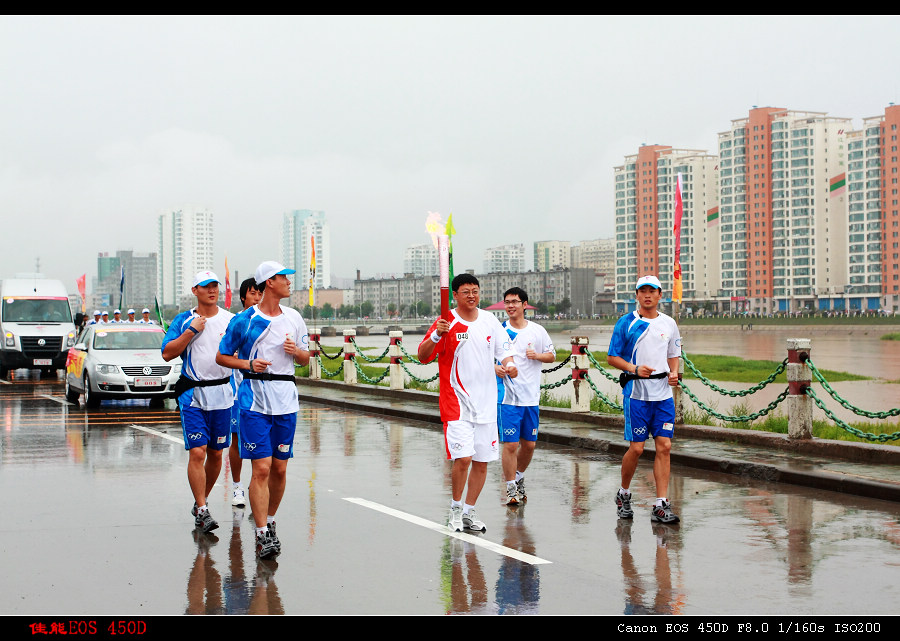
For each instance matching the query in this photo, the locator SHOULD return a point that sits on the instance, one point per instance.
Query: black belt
(265, 376)
(624, 377)
(184, 383)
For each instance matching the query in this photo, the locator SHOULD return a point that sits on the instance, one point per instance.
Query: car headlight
(107, 369)
(177, 368)
(70, 340)
(9, 340)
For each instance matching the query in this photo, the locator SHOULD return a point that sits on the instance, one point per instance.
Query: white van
(36, 329)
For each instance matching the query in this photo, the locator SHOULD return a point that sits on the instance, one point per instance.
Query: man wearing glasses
(519, 397)
(467, 346)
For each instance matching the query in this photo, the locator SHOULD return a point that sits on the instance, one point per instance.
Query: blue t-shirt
(647, 341)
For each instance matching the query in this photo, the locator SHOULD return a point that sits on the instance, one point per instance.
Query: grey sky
(513, 124)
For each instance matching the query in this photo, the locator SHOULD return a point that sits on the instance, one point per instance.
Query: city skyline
(511, 124)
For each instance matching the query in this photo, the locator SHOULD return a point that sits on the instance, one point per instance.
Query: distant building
(505, 258)
(185, 247)
(421, 260)
(298, 228)
(140, 280)
(551, 254)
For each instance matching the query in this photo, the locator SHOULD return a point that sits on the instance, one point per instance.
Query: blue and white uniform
(268, 408)
(205, 411)
(519, 397)
(651, 342)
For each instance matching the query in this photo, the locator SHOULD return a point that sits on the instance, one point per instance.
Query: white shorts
(478, 440)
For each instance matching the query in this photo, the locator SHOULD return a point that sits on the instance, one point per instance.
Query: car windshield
(128, 340)
(36, 310)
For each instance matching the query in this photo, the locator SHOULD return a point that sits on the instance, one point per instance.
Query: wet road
(96, 505)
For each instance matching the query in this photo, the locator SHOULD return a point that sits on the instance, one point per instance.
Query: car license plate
(43, 361)
(147, 382)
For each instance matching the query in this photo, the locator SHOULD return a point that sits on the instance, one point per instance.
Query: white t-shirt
(525, 389)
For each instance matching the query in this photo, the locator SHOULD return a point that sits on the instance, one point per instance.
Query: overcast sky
(512, 124)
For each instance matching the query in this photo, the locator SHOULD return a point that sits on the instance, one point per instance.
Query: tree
(423, 308)
(391, 309)
(366, 308)
(327, 311)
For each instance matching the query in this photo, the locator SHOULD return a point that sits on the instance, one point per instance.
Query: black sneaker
(663, 514)
(271, 527)
(623, 505)
(265, 545)
(205, 521)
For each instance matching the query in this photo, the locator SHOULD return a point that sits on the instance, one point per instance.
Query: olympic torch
(444, 260)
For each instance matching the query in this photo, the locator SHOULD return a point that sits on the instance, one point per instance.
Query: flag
(449, 229)
(122, 287)
(312, 271)
(679, 210)
(81, 290)
(159, 315)
(712, 217)
(227, 286)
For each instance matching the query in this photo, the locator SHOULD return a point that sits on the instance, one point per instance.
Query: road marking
(56, 399)
(5, 382)
(441, 528)
(157, 433)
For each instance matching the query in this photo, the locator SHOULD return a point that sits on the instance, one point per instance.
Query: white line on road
(55, 399)
(5, 382)
(157, 433)
(442, 529)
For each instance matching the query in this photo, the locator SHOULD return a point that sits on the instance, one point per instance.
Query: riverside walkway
(863, 469)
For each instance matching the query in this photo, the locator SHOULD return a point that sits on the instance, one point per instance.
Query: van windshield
(36, 310)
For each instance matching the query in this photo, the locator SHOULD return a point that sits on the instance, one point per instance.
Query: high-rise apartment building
(505, 258)
(551, 254)
(783, 230)
(299, 227)
(141, 277)
(185, 248)
(645, 218)
(421, 260)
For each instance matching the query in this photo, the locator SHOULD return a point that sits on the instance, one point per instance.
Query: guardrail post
(315, 347)
(677, 392)
(349, 356)
(581, 390)
(396, 374)
(800, 406)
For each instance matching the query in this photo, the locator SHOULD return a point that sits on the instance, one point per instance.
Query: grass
(893, 336)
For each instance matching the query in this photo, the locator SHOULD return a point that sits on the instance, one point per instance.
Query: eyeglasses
(467, 292)
(511, 302)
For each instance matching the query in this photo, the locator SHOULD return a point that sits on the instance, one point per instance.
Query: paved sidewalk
(861, 469)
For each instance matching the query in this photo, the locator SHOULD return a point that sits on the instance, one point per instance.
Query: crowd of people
(101, 318)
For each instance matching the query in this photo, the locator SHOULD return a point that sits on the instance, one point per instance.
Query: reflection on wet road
(97, 520)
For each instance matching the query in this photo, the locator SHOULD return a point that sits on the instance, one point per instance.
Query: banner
(679, 211)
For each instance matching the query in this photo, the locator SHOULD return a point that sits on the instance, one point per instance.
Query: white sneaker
(237, 499)
(512, 494)
(471, 522)
(456, 519)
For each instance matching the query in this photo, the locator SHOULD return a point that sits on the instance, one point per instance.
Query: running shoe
(512, 495)
(237, 498)
(194, 510)
(265, 545)
(271, 527)
(520, 488)
(456, 519)
(663, 514)
(205, 521)
(623, 505)
(471, 522)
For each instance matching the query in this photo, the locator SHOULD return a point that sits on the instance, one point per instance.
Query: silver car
(120, 360)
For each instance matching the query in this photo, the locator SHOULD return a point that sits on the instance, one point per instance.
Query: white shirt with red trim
(466, 356)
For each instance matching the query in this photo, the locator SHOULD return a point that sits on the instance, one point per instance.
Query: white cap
(270, 268)
(205, 278)
(131, 311)
(653, 281)
(118, 311)
(105, 313)
(145, 311)
(96, 312)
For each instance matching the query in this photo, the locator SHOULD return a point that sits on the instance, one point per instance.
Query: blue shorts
(235, 418)
(205, 427)
(649, 418)
(265, 435)
(517, 422)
